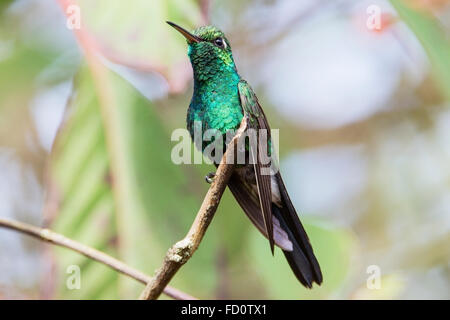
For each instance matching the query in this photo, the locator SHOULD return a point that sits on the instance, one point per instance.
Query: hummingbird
(221, 99)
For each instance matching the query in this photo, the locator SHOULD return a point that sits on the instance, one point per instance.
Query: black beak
(189, 36)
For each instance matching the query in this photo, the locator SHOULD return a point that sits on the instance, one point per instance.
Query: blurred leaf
(433, 38)
(137, 35)
(149, 206)
(334, 249)
(20, 65)
(4, 4)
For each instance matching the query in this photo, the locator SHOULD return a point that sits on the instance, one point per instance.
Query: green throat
(215, 103)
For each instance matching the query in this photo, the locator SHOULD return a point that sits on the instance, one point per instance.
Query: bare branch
(60, 240)
(205, 6)
(183, 250)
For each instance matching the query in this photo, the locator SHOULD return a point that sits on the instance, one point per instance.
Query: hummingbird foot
(210, 177)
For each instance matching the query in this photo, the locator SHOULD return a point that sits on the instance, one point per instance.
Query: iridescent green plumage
(215, 102)
(220, 100)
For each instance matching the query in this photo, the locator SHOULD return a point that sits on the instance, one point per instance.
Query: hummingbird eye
(220, 42)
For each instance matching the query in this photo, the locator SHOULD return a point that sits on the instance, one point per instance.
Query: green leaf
(434, 40)
(137, 35)
(334, 249)
(119, 190)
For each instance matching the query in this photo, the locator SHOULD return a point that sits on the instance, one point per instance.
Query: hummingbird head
(209, 51)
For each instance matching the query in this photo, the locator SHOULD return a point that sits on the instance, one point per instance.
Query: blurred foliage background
(86, 118)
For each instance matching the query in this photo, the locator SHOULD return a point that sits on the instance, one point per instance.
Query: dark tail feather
(301, 259)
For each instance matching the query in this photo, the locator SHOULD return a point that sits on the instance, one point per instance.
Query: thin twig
(60, 240)
(205, 6)
(183, 250)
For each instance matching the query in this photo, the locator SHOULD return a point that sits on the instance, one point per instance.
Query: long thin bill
(189, 36)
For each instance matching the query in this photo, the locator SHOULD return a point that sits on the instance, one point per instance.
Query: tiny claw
(210, 177)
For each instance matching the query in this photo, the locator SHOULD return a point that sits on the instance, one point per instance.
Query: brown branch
(205, 6)
(60, 240)
(183, 250)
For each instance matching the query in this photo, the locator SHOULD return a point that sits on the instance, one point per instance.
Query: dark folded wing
(257, 120)
(250, 204)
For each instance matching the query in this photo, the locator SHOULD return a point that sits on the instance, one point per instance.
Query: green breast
(215, 104)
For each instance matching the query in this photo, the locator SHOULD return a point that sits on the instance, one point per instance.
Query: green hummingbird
(220, 100)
